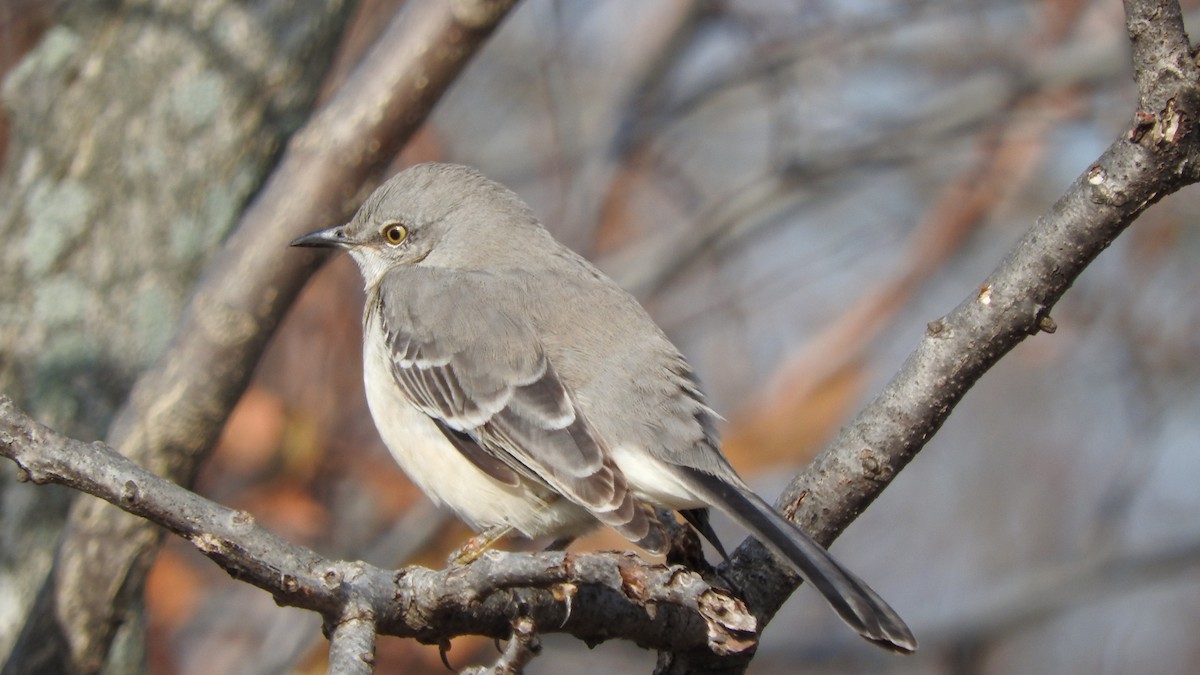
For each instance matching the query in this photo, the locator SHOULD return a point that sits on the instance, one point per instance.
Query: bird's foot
(477, 545)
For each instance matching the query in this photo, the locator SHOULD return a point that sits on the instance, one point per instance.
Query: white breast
(443, 473)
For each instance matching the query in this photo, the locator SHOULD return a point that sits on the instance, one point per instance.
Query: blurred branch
(773, 424)
(1041, 595)
(660, 38)
(595, 597)
(978, 101)
(1074, 63)
(178, 407)
(1032, 599)
(1155, 157)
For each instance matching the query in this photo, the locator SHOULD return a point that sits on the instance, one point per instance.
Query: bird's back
(618, 355)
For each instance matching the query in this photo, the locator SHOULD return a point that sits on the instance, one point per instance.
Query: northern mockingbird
(519, 385)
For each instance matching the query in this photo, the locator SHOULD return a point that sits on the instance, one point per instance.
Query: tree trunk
(138, 132)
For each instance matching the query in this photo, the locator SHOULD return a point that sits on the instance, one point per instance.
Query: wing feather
(479, 371)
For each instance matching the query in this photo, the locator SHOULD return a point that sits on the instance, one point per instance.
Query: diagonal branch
(1154, 158)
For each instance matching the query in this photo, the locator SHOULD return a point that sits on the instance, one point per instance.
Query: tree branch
(1154, 158)
(595, 597)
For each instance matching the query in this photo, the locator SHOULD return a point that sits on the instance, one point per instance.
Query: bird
(520, 386)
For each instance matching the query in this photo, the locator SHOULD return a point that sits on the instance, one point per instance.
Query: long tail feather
(859, 606)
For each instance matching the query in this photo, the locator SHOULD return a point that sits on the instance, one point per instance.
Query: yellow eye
(395, 233)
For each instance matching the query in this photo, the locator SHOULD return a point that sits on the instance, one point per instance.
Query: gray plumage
(522, 387)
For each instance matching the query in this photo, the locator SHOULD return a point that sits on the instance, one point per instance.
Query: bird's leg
(475, 546)
(560, 544)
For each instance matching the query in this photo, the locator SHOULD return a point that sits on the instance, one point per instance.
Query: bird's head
(444, 215)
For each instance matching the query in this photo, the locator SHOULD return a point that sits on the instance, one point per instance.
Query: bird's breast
(442, 472)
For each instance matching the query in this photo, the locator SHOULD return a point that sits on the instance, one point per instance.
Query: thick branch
(595, 597)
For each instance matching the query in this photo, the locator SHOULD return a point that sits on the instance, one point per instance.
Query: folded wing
(479, 371)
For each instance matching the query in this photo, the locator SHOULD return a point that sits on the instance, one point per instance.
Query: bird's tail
(859, 606)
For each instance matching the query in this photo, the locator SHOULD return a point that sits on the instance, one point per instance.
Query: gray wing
(464, 356)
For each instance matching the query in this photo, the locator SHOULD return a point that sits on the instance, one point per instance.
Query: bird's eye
(395, 233)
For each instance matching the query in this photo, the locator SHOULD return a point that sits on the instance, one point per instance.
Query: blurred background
(794, 189)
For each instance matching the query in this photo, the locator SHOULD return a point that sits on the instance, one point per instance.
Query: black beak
(333, 237)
